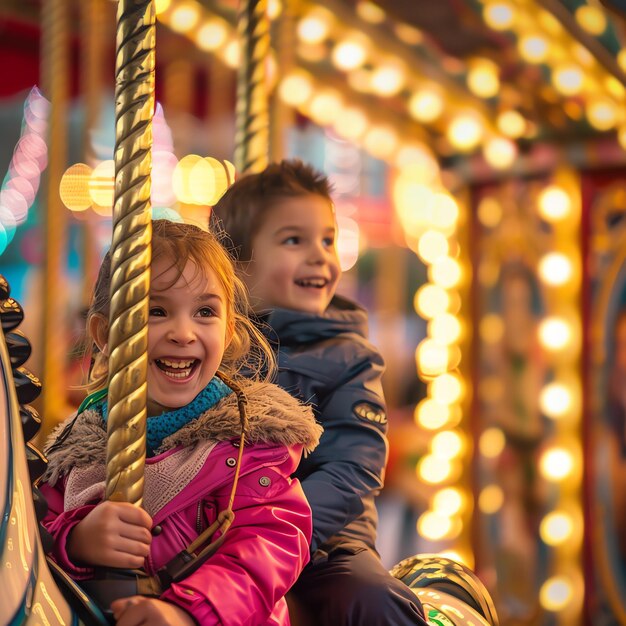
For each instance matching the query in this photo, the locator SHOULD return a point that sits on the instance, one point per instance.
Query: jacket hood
(296, 327)
(274, 416)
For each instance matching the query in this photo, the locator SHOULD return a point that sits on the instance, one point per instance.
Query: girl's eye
(206, 311)
(156, 311)
(292, 241)
(329, 242)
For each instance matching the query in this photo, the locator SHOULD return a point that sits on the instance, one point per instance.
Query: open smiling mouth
(317, 283)
(178, 369)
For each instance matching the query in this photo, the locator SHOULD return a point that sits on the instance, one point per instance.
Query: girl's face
(188, 331)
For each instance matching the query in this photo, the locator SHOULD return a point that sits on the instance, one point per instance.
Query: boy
(280, 227)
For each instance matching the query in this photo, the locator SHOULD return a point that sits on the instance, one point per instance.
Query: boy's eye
(156, 311)
(206, 311)
(294, 240)
(329, 242)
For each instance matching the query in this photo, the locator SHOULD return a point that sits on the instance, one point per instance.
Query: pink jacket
(187, 484)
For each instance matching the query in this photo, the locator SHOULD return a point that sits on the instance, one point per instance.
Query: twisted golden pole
(285, 42)
(131, 251)
(252, 124)
(54, 71)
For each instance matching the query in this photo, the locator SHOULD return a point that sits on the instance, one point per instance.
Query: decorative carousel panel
(527, 398)
(605, 202)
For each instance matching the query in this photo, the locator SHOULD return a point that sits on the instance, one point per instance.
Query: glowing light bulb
(554, 204)
(348, 55)
(489, 212)
(447, 444)
(555, 400)
(447, 388)
(492, 442)
(313, 28)
(445, 329)
(426, 105)
(556, 528)
(432, 245)
(432, 415)
(499, 15)
(381, 141)
(446, 272)
(465, 132)
(388, 80)
(500, 153)
(533, 48)
(511, 123)
(347, 242)
(351, 123)
(184, 17)
(555, 269)
(434, 470)
(160, 6)
(232, 53)
(433, 525)
(602, 114)
(324, 107)
(431, 301)
(568, 79)
(556, 593)
(591, 18)
(482, 78)
(491, 328)
(448, 501)
(370, 12)
(296, 89)
(491, 499)
(101, 185)
(445, 214)
(74, 187)
(212, 35)
(556, 464)
(555, 333)
(181, 178)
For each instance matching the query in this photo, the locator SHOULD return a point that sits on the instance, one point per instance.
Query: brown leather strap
(187, 561)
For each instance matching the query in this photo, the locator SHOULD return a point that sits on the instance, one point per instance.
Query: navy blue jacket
(326, 360)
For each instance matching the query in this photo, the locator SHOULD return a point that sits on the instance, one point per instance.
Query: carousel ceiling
(484, 78)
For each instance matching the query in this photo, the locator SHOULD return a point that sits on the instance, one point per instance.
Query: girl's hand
(138, 610)
(114, 534)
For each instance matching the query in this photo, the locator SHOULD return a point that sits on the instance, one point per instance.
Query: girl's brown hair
(183, 243)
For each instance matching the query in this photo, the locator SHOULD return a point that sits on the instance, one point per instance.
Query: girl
(198, 339)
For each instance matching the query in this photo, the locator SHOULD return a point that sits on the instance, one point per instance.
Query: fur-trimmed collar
(273, 417)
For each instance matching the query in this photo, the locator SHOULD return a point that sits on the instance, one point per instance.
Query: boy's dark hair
(239, 213)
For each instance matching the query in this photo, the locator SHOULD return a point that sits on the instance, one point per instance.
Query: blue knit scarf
(158, 427)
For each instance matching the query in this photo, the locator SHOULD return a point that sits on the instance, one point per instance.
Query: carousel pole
(54, 73)
(130, 251)
(252, 116)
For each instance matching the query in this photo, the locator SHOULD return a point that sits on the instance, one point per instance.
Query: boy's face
(187, 334)
(294, 258)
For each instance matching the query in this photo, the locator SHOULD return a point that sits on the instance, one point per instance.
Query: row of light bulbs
(29, 160)
(575, 73)
(466, 126)
(466, 130)
(559, 335)
(430, 219)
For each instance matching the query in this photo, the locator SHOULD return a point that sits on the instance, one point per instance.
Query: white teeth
(312, 282)
(177, 364)
(184, 374)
